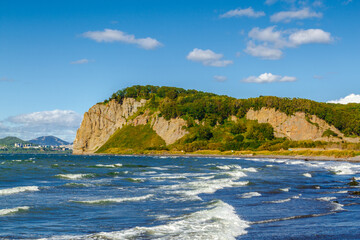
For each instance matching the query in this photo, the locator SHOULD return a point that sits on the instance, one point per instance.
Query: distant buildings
(43, 147)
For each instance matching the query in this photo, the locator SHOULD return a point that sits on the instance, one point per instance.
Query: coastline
(355, 159)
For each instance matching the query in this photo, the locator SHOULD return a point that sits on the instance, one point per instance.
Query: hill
(10, 141)
(190, 120)
(49, 141)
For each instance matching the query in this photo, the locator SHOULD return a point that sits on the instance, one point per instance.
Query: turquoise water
(143, 197)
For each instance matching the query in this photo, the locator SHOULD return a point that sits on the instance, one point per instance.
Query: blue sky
(58, 58)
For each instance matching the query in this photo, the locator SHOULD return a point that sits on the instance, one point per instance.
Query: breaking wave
(13, 210)
(75, 176)
(114, 200)
(250, 195)
(219, 221)
(8, 191)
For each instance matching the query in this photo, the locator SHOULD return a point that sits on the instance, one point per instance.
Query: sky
(58, 58)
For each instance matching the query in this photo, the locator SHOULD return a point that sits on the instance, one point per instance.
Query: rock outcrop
(297, 127)
(102, 120)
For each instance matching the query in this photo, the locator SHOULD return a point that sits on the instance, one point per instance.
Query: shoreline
(296, 157)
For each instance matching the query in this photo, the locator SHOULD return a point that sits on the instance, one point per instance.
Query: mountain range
(45, 140)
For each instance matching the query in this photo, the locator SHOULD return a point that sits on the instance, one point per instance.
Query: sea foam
(8, 191)
(219, 221)
(75, 176)
(250, 195)
(13, 210)
(115, 200)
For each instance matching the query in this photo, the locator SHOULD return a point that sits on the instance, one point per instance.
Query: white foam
(326, 199)
(160, 168)
(250, 169)
(115, 200)
(344, 168)
(269, 165)
(250, 195)
(285, 200)
(219, 221)
(75, 176)
(228, 167)
(109, 166)
(13, 210)
(165, 176)
(205, 177)
(236, 174)
(337, 206)
(191, 190)
(284, 189)
(8, 191)
(307, 175)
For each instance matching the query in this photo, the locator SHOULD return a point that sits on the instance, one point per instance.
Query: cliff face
(297, 127)
(102, 120)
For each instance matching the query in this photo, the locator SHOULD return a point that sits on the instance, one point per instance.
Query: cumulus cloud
(263, 51)
(81, 61)
(61, 123)
(352, 98)
(110, 35)
(219, 78)
(287, 16)
(310, 36)
(247, 12)
(268, 43)
(268, 35)
(268, 78)
(208, 58)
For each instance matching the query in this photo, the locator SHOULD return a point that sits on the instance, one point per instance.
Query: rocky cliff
(297, 127)
(102, 120)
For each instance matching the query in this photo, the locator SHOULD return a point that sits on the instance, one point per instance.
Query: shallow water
(133, 197)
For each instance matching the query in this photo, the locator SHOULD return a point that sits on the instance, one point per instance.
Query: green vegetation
(195, 105)
(329, 133)
(134, 138)
(10, 141)
(212, 126)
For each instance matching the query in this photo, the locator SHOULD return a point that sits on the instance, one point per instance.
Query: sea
(176, 197)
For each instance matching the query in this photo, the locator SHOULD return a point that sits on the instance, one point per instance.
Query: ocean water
(146, 197)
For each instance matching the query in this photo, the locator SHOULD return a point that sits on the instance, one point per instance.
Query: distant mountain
(49, 141)
(10, 141)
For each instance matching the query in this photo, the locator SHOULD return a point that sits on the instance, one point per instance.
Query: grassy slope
(10, 141)
(132, 138)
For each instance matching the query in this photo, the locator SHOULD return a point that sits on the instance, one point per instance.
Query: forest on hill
(209, 126)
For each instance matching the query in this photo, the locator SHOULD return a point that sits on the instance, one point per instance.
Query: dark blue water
(129, 197)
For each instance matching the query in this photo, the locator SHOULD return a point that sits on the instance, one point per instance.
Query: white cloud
(208, 58)
(269, 78)
(247, 12)
(219, 78)
(110, 35)
(263, 51)
(81, 61)
(60, 123)
(268, 35)
(267, 43)
(352, 98)
(287, 16)
(310, 36)
(270, 2)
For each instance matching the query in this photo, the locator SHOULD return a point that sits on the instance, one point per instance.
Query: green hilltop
(207, 116)
(10, 141)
